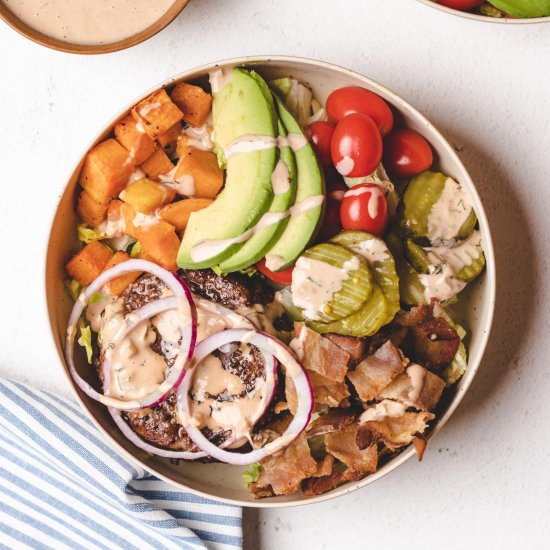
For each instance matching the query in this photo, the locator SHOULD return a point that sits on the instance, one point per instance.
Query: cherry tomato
(365, 208)
(460, 4)
(354, 99)
(406, 153)
(321, 136)
(356, 146)
(283, 277)
(331, 222)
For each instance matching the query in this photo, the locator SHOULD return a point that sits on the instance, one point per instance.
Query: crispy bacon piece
(402, 389)
(284, 472)
(324, 468)
(398, 431)
(327, 392)
(376, 371)
(332, 421)
(420, 445)
(356, 347)
(319, 354)
(320, 485)
(343, 445)
(428, 340)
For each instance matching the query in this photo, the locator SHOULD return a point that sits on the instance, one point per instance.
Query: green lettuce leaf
(73, 288)
(88, 234)
(85, 341)
(252, 474)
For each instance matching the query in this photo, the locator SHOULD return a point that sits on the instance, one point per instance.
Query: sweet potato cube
(106, 171)
(169, 139)
(158, 164)
(203, 166)
(116, 286)
(89, 262)
(160, 242)
(91, 211)
(146, 196)
(177, 213)
(158, 113)
(193, 101)
(128, 214)
(134, 139)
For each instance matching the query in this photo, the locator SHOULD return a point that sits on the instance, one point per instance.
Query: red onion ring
(181, 300)
(269, 345)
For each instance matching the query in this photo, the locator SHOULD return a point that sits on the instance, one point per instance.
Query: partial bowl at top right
(496, 11)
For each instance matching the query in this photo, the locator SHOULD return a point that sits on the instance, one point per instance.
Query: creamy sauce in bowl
(88, 22)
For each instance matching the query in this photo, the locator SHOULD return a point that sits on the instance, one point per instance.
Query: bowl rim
(7, 15)
(486, 18)
(490, 275)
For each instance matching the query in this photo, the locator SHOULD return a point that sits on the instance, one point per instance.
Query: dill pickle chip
(421, 195)
(355, 289)
(365, 322)
(417, 256)
(379, 259)
(471, 271)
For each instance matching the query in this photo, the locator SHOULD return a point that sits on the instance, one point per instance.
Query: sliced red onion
(182, 301)
(267, 344)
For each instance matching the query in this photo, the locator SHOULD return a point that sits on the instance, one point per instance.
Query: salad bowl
(221, 481)
(485, 18)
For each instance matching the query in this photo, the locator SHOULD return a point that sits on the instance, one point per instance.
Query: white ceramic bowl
(222, 481)
(485, 18)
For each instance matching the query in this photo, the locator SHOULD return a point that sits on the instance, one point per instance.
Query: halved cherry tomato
(354, 99)
(460, 4)
(331, 222)
(356, 146)
(406, 153)
(365, 208)
(283, 277)
(320, 133)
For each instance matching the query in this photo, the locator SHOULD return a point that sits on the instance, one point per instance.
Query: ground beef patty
(147, 288)
(234, 290)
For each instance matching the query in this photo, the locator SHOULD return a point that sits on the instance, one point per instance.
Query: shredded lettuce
(136, 249)
(216, 269)
(88, 234)
(73, 288)
(85, 341)
(296, 97)
(252, 474)
(97, 297)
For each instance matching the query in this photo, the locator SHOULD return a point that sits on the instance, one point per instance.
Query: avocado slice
(524, 8)
(254, 249)
(242, 107)
(301, 227)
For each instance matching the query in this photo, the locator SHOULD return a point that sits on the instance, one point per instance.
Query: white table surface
(485, 480)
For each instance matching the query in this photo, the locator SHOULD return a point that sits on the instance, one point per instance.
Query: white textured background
(485, 480)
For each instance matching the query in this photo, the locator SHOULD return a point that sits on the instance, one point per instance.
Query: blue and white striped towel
(62, 487)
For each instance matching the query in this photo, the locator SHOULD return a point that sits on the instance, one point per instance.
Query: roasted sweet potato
(89, 262)
(91, 211)
(177, 213)
(203, 167)
(169, 139)
(193, 101)
(115, 286)
(106, 171)
(146, 196)
(134, 139)
(157, 164)
(160, 242)
(158, 113)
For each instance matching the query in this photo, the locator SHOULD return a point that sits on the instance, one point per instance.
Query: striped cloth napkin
(62, 487)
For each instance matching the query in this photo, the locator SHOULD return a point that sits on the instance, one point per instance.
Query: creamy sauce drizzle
(293, 140)
(314, 283)
(183, 184)
(212, 247)
(219, 78)
(376, 194)
(280, 179)
(416, 375)
(345, 166)
(440, 283)
(199, 137)
(373, 250)
(89, 21)
(381, 411)
(449, 213)
(249, 143)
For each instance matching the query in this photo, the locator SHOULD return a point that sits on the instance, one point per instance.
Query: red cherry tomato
(354, 99)
(460, 4)
(320, 133)
(356, 146)
(331, 222)
(406, 153)
(365, 208)
(283, 277)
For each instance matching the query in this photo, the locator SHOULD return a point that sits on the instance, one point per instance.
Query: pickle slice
(380, 260)
(365, 322)
(421, 194)
(356, 288)
(417, 256)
